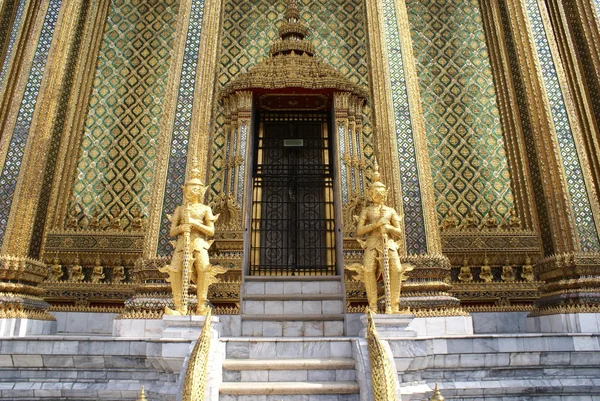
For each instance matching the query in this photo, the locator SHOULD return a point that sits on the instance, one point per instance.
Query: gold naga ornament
(382, 227)
(193, 223)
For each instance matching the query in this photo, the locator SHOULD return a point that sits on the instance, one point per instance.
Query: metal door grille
(293, 229)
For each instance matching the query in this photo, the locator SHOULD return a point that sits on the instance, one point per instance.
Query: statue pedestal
(390, 326)
(184, 326)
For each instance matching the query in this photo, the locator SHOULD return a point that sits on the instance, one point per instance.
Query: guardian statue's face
(378, 194)
(194, 192)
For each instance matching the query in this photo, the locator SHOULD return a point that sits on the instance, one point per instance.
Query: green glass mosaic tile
(466, 146)
(119, 144)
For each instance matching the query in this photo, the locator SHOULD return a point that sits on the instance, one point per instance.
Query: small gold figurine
(491, 222)
(98, 272)
(94, 221)
(470, 222)
(192, 223)
(514, 222)
(115, 220)
(527, 273)
(486, 271)
(138, 219)
(382, 227)
(77, 275)
(508, 273)
(118, 274)
(465, 274)
(450, 222)
(56, 271)
(73, 218)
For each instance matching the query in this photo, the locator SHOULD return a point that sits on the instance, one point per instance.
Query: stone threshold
(289, 364)
(288, 388)
(291, 318)
(293, 297)
(292, 278)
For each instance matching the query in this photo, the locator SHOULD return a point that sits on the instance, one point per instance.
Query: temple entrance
(293, 225)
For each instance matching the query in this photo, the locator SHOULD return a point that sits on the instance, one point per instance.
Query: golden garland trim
(92, 309)
(566, 309)
(17, 312)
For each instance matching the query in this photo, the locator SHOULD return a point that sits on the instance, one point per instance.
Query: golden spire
(142, 395)
(292, 33)
(437, 396)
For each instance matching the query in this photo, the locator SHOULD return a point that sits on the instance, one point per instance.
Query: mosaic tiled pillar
(576, 28)
(402, 149)
(24, 150)
(572, 271)
(186, 135)
(11, 16)
(38, 125)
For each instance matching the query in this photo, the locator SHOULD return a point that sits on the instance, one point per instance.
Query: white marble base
(138, 328)
(565, 323)
(230, 325)
(499, 322)
(442, 326)
(390, 326)
(184, 326)
(84, 322)
(26, 327)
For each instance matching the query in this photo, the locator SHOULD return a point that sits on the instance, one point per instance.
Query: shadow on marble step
(291, 285)
(311, 306)
(289, 388)
(282, 348)
(297, 397)
(289, 375)
(299, 328)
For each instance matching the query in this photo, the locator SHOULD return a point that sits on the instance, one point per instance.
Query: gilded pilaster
(9, 22)
(74, 120)
(509, 114)
(25, 200)
(173, 130)
(383, 110)
(542, 129)
(15, 74)
(576, 31)
(556, 136)
(205, 84)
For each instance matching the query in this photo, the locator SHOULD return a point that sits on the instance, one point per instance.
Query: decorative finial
(437, 396)
(292, 11)
(292, 33)
(194, 174)
(142, 395)
(376, 176)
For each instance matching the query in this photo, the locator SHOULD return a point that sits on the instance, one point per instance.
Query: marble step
(308, 306)
(261, 285)
(289, 388)
(292, 325)
(287, 348)
(290, 370)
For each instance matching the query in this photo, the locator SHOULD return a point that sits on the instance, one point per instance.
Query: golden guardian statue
(381, 227)
(193, 223)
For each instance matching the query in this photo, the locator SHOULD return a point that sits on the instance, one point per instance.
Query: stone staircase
(284, 306)
(275, 369)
